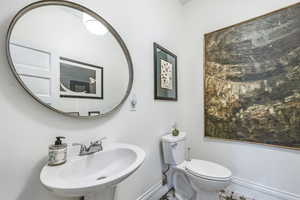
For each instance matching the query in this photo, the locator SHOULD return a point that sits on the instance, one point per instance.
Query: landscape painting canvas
(252, 80)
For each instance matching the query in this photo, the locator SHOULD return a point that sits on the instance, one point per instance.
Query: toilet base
(182, 186)
(190, 187)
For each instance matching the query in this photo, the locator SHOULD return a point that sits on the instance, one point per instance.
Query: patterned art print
(252, 80)
(166, 75)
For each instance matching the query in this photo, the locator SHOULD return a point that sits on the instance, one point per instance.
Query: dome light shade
(93, 25)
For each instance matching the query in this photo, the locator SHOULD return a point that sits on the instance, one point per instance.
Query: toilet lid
(208, 170)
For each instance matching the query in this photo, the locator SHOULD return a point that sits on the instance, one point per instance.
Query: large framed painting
(165, 74)
(80, 80)
(252, 80)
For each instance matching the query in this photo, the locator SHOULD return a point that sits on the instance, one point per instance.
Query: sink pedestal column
(103, 194)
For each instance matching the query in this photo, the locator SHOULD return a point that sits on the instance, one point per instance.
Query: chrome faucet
(93, 148)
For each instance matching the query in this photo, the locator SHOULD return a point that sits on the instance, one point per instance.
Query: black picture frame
(171, 95)
(89, 65)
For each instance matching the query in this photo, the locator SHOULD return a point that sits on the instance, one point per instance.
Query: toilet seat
(208, 170)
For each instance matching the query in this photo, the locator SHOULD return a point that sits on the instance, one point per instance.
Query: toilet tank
(174, 148)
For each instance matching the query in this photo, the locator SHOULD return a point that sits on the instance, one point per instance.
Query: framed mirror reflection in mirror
(69, 58)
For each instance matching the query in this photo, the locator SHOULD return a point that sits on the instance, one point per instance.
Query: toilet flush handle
(174, 145)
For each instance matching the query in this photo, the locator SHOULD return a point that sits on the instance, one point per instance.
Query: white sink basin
(91, 174)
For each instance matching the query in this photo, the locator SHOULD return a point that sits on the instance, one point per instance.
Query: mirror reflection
(69, 60)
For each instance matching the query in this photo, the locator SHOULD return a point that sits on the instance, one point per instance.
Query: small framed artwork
(165, 74)
(80, 80)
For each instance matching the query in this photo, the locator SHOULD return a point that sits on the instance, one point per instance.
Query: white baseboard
(158, 190)
(266, 190)
(154, 192)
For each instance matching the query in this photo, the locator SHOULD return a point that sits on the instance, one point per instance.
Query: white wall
(27, 128)
(269, 166)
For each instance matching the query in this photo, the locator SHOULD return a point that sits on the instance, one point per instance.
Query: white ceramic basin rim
(85, 173)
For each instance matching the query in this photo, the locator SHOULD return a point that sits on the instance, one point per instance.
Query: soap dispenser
(57, 152)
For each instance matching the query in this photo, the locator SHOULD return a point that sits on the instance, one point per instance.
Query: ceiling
(184, 1)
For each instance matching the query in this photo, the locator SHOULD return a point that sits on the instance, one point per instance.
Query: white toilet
(195, 179)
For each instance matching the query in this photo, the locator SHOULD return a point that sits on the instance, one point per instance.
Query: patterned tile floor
(224, 195)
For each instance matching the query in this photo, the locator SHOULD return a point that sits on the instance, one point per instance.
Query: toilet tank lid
(170, 138)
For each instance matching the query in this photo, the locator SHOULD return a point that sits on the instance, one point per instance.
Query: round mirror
(69, 58)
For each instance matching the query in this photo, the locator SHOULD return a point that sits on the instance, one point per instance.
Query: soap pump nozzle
(58, 140)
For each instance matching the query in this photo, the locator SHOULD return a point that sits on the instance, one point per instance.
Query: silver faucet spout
(93, 148)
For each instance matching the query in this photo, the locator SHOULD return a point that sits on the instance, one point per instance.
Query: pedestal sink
(93, 177)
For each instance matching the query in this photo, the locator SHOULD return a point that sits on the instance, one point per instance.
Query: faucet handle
(100, 140)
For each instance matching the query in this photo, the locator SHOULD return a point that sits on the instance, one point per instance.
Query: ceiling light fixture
(93, 25)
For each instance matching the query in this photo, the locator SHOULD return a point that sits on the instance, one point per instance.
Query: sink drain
(100, 178)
